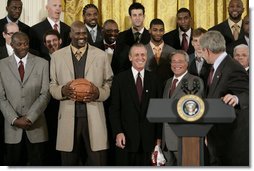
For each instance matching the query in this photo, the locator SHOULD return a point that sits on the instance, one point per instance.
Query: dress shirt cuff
(12, 123)
(237, 100)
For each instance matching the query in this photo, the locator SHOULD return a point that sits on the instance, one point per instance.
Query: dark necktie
(137, 39)
(112, 46)
(210, 77)
(21, 70)
(56, 27)
(139, 87)
(173, 87)
(185, 44)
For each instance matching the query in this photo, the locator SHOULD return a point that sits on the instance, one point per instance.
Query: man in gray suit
(179, 65)
(158, 52)
(24, 95)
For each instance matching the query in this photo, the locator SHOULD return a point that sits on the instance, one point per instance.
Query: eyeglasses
(10, 33)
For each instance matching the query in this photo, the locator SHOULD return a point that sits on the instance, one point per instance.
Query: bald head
(78, 34)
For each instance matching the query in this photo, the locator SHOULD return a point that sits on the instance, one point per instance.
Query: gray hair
(214, 41)
(241, 46)
(186, 56)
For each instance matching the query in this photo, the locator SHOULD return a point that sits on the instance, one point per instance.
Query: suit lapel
(14, 67)
(146, 91)
(29, 67)
(178, 88)
(67, 57)
(90, 58)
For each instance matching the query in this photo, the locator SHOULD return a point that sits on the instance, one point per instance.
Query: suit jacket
(169, 138)
(125, 39)
(36, 36)
(98, 71)
(162, 69)
(3, 52)
(204, 72)
(231, 46)
(230, 77)
(172, 38)
(99, 39)
(225, 30)
(22, 27)
(128, 116)
(29, 97)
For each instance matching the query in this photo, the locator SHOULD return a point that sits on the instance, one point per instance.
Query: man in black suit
(136, 34)
(181, 37)
(197, 65)
(90, 16)
(244, 40)
(14, 9)
(37, 31)
(227, 143)
(9, 29)
(242, 55)
(131, 90)
(226, 28)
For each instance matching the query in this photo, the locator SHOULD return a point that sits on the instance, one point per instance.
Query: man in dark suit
(158, 53)
(233, 25)
(9, 29)
(24, 95)
(14, 9)
(94, 31)
(227, 81)
(110, 33)
(242, 55)
(197, 65)
(37, 31)
(179, 66)
(245, 40)
(181, 37)
(131, 90)
(136, 34)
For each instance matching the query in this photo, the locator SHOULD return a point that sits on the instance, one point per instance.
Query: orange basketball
(82, 87)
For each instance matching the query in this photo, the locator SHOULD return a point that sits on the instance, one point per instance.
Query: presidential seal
(190, 108)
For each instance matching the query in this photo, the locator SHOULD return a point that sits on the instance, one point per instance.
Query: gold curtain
(205, 13)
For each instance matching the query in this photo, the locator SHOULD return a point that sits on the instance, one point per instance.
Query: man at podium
(228, 144)
(175, 88)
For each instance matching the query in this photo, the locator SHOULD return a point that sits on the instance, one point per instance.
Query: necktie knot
(56, 27)
(198, 59)
(157, 53)
(185, 44)
(137, 37)
(78, 54)
(21, 70)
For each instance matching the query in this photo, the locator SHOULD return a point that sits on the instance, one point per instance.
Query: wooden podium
(191, 147)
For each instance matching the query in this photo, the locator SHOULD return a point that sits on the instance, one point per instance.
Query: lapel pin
(146, 91)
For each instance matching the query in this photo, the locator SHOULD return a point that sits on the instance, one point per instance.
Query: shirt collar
(231, 23)
(140, 31)
(52, 23)
(152, 45)
(9, 21)
(24, 60)
(180, 78)
(187, 32)
(219, 60)
(90, 28)
(135, 73)
(74, 49)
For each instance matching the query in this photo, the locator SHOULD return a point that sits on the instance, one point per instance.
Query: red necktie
(139, 86)
(56, 27)
(185, 44)
(210, 76)
(173, 87)
(21, 70)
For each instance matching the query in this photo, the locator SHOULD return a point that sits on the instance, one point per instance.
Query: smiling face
(110, 31)
(78, 35)
(137, 18)
(179, 64)
(138, 57)
(91, 17)
(235, 9)
(156, 31)
(20, 44)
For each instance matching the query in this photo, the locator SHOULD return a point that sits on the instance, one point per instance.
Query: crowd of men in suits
(43, 123)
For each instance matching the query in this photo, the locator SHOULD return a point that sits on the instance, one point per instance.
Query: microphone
(196, 85)
(184, 86)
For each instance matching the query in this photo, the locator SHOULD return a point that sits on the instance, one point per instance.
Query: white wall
(33, 11)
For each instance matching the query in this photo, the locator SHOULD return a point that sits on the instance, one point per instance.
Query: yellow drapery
(205, 13)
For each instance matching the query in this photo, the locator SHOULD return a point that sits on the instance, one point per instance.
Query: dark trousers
(25, 153)
(139, 158)
(82, 153)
